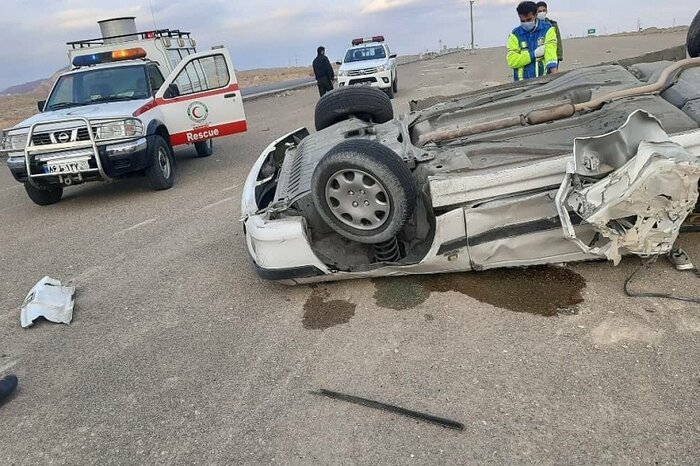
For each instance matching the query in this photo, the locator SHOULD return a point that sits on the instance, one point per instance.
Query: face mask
(529, 25)
(542, 15)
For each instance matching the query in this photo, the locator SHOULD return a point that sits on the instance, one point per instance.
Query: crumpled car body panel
(648, 186)
(50, 300)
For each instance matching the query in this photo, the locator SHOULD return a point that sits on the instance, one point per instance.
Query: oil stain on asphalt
(545, 291)
(320, 314)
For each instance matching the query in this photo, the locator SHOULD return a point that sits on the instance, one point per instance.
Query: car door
(201, 99)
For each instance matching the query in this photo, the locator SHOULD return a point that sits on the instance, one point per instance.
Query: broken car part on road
(441, 421)
(50, 300)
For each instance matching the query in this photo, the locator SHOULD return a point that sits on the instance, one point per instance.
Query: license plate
(67, 167)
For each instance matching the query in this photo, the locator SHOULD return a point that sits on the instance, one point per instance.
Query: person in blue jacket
(532, 46)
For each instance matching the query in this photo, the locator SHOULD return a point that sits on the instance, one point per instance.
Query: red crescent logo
(194, 113)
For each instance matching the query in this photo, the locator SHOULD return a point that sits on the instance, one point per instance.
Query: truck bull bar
(65, 148)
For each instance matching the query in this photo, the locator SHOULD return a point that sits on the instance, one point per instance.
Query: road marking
(230, 188)
(138, 225)
(214, 204)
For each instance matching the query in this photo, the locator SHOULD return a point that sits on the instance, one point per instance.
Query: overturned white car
(596, 163)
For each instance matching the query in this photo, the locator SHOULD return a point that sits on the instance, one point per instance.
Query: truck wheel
(161, 173)
(693, 41)
(366, 103)
(44, 195)
(205, 148)
(395, 86)
(364, 191)
(390, 91)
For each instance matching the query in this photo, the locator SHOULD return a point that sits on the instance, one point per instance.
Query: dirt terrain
(179, 354)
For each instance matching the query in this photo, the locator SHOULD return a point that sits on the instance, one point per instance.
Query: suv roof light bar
(366, 40)
(109, 57)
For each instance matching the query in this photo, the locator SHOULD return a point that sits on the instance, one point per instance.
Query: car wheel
(205, 148)
(44, 195)
(396, 84)
(364, 191)
(693, 41)
(161, 173)
(365, 103)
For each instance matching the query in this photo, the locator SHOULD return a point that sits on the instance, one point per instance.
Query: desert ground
(179, 354)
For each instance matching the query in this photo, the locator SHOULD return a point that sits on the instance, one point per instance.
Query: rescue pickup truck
(129, 98)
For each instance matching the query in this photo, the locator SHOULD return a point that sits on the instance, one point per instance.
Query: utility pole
(471, 19)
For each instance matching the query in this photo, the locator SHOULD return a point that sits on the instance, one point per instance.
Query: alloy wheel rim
(358, 199)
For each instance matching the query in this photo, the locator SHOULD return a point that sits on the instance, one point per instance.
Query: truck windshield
(99, 85)
(365, 53)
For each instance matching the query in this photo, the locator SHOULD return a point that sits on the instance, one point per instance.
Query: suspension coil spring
(387, 251)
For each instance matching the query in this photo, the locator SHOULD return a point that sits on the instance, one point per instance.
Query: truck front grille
(363, 71)
(55, 137)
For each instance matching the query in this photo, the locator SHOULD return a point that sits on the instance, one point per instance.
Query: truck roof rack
(174, 33)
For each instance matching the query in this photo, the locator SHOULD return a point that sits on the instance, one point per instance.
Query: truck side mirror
(40, 105)
(393, 55)
(172, 91)
(339, 63)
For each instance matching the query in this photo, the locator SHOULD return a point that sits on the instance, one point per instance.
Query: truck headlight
(342, 73)
(16, 141)
(385, 67)
(130, 127)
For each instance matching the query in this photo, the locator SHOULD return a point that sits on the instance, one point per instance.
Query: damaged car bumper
(635, 186)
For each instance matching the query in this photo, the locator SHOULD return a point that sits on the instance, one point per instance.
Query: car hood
(364, 64)
(95, 111)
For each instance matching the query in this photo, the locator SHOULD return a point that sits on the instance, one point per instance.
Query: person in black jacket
(323, 72)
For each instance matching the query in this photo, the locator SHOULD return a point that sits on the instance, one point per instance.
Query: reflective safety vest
(521, 51)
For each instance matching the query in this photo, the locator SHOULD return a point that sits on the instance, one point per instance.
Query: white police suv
(369, 62)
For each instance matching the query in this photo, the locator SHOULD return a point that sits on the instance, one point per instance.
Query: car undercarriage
(592, 164)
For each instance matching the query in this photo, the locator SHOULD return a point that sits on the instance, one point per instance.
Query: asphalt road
(179, 354)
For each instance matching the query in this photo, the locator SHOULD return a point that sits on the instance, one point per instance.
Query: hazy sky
(267, 33)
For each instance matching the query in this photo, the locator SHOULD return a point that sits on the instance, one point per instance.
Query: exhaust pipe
(557, 112)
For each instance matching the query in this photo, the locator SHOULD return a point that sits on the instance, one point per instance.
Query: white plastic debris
(50, 300)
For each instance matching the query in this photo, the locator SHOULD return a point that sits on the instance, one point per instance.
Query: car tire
(161, 172)
(44, 195)
(693, 40)
(365, 103)
(204, 148)
(364, 191)
(395, 86)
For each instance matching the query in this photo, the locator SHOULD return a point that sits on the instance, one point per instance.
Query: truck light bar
(108, 57)
(366, 40)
